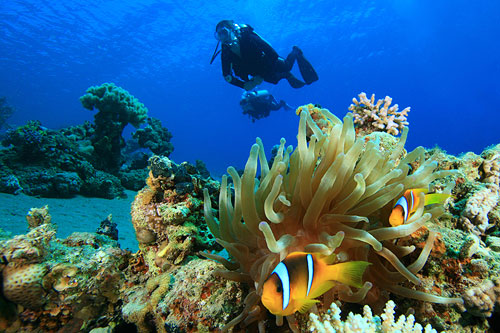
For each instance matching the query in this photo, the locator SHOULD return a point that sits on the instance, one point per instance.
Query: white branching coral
(370, 117)
(331, 322)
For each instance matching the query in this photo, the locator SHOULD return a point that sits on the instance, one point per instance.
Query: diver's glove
(252, 83)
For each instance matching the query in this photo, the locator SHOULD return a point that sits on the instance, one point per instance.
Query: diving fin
(294, 82)
(306, 69)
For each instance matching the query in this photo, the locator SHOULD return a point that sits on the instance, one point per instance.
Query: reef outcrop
(87, 159)
(333, 192)
(50, 284)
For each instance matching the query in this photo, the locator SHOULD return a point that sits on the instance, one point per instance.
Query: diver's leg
(294, 82)
(306, 69)
(285, 105)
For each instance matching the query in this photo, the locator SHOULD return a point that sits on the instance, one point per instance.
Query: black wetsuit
(261, 106)
(257, 58)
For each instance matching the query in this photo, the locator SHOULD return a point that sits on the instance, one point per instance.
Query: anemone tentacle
(332, 194)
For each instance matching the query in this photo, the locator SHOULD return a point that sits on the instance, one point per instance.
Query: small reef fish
(301, 277)
(408, 204)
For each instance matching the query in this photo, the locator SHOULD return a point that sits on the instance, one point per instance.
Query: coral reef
(117, 108)
(191, 298)
(87, 159)
(331, 322)
(6, 111)
(155, 137)
(40, 161)
(51, 284)
(168, 214)
(481, 299)
(332, 194)
(381, 116)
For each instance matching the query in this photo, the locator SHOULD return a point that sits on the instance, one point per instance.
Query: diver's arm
(234, 81)
(227, 70)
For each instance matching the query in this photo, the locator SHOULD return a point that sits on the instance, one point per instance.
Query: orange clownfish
(301, 277)
(408, 204)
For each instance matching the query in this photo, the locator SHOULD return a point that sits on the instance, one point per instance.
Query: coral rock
(23, 284)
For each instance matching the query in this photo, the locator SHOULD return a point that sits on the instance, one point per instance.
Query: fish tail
(349, 273)
(435, 198)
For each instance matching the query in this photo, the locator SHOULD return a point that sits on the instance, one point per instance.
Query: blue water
(440, 57)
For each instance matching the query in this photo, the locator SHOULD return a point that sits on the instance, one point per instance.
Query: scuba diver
(259, 104)
(247, 54)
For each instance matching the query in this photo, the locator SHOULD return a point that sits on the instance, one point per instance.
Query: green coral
(117, 108)
(116, 102)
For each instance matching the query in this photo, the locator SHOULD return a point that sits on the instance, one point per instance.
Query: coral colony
(206, 249)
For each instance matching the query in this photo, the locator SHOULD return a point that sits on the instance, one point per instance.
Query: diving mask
(227, 35)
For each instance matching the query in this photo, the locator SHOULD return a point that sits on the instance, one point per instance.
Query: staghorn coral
(386, 323)
(331, 194)
(370, 117)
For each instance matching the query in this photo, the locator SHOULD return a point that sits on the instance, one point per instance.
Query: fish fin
(435, 198)
(307, 304)
(419, 190)
(327, 259)
(349, 273)
(323, 288)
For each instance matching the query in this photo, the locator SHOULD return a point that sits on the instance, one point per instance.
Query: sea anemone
(333, 193)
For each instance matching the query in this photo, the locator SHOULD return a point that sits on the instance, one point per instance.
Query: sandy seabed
(76, 214)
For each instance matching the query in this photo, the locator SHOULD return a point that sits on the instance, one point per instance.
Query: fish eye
(279, 289)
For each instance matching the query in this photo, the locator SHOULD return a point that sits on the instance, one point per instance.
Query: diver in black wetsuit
(247, 54)
(259, 104)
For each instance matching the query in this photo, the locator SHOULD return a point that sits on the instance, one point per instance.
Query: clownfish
(408, 204)
(301, 277)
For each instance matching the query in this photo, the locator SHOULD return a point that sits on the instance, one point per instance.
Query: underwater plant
(332, 195)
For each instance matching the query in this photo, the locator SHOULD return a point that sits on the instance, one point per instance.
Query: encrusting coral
(381, 116)
(51, 284)
(481, 299)
(188, 299)
(168, 214)
(333, 193)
